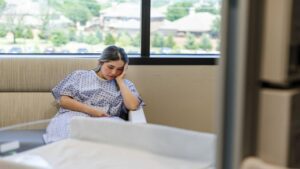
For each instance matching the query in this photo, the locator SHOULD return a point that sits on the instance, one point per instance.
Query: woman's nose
(114, 71)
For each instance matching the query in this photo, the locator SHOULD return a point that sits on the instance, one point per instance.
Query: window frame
(146, 58)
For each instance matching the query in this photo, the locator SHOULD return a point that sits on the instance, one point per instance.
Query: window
(179, 28)
(185, 26)
(68, 26)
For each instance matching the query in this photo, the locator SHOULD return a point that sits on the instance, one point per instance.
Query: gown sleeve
(69, 86)
(134, 91)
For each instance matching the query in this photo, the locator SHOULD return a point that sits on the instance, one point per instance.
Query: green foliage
(58, 38)
(158, 40)
(124, 39)
(109, 39)
(3, 31)
(218, 47)
(136, 41)
(99, 35)
(27, 33)
(205, 42)
(159, 3)
(2, 5)
(208, 8)
(44, 34)
(76, 12)
(23, 32)
(169, 42)
(72, 34)
(91, 39)
(190, 42)
(80, 37)
(93, 6)
(120, 1)
(215, 27)
(18, 31)
(178, 10)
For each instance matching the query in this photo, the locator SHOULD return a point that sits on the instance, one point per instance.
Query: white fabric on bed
(96, 144)
(159, 139)
(79, 154)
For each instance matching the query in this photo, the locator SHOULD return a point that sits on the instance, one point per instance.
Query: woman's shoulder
(77, 74)
(80, 72)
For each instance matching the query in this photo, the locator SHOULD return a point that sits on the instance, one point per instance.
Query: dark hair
(112, 53)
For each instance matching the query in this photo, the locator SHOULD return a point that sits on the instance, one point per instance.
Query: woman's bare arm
(131, 102)
(68, 102)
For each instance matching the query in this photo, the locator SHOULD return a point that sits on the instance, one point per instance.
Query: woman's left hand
(122, 75)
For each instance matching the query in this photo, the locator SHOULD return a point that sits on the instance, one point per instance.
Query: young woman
(103, 92)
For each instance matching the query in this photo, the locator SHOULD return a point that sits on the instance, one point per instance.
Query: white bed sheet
(78, 154)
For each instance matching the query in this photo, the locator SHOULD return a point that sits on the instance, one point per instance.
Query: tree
(136, 41)
(58, 38)
(178, 10)
(14, 24)
(3, 31)
(205, 42)
(169, 42)
(218, 47)
(208, 8)
(215, 27)
(99, 35)
(190, 42)
(45, 18)
(158, 40)
(124, 39)
(159, 3)
(93, 6)
(76, 12)
(109, 39)
(80, 37)
(91, 39)
(72, 34)
(27, 33)
(2, 5)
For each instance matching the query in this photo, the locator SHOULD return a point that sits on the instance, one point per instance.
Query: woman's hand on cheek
(122, 75)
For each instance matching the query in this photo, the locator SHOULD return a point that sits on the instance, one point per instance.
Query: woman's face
(112, 69)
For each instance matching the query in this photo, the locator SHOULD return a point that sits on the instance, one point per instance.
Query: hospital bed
(111, 144)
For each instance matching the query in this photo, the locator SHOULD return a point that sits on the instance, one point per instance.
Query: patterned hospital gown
(85, 86)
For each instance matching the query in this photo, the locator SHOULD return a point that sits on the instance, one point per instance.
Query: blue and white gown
(86, 87)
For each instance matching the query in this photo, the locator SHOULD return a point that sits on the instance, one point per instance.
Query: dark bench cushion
(28, 138)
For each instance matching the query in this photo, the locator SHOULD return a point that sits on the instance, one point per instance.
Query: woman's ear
(101, 63)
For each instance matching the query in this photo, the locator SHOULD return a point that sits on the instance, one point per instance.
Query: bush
(58, 38)
(3, 31)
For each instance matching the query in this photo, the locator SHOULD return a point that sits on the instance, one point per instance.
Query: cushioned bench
(28, 139)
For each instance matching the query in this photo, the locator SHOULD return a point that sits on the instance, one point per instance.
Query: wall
(179, 96)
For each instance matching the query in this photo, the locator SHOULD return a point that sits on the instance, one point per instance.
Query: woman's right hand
(69, 103)
(99, 113)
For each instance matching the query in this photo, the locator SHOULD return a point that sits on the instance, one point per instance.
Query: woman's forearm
(131, 102)
(74, 105)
